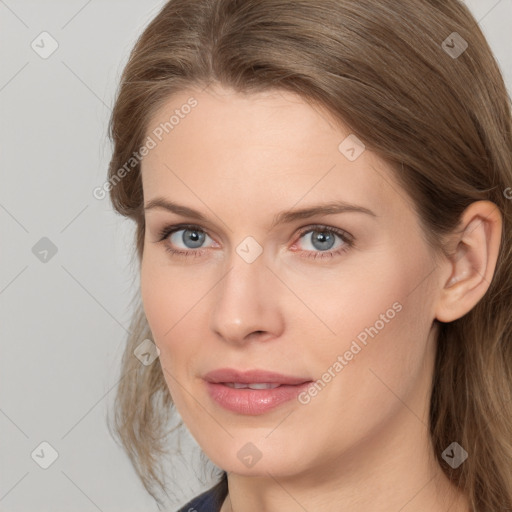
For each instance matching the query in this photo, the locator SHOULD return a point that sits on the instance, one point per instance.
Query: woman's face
(344, 299)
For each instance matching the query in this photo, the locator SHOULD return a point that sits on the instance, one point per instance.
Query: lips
(230, 375)
(252, 392)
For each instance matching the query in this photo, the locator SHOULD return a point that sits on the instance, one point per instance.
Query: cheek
(169, 307)
(170, 303)
(157, 300)
(167, 296)
(381, 318)
(377, 314)
(369, 293)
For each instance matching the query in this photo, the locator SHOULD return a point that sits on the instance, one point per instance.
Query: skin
(362, 443)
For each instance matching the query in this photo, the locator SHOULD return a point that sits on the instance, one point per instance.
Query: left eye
(322, 239)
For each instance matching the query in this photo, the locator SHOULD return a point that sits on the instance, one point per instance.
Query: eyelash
(345, 237)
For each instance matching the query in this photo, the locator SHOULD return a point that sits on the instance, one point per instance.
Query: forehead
(260, 149)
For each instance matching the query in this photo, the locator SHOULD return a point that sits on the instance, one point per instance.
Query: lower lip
(253, 401)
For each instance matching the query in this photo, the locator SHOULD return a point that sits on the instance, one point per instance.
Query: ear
(470, 264)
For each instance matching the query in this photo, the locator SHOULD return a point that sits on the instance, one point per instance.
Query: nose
(247, 303)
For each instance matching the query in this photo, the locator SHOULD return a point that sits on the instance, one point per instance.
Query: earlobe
(472, 263)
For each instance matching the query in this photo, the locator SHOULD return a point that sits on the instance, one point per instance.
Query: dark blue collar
(210, 500)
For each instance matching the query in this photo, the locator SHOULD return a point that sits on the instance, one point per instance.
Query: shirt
(210, 500)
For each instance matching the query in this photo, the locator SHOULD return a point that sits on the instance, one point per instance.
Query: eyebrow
(283, 217)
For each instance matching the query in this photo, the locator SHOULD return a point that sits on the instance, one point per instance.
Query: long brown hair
(417, 82)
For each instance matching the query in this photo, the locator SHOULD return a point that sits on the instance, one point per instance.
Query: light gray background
(63, 322)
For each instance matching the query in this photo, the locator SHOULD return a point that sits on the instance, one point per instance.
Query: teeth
(256, 385)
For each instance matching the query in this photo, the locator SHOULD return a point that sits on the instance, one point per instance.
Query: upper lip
(252, 377)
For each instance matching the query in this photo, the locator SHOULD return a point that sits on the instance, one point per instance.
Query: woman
(320, 191)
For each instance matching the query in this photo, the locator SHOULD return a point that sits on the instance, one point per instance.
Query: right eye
(190, 236)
